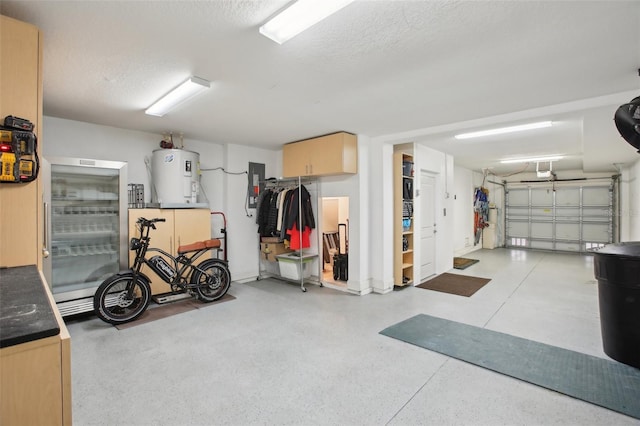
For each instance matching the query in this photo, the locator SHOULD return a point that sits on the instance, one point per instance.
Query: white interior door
(427, 225)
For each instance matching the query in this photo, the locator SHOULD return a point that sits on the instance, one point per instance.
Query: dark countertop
(25, 311)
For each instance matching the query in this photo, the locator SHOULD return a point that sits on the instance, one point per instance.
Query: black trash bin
(617, 269)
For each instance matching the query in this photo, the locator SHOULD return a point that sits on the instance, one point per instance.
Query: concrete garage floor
(276, 355)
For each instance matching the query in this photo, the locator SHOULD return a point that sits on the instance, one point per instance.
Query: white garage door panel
(567, 231)
(568, 197)
(568, 213)
(596, 233)
(520, 214)
(541, 197)
(597, 213)
(542, 213)
(595, 195)
(518, 229)
(562, 246)
(564, 216)
(542, 245)
(542, 230)
(519, 197)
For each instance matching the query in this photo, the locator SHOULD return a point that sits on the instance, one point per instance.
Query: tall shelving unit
(403, 238)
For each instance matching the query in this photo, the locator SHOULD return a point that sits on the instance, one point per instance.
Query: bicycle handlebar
(150, 222)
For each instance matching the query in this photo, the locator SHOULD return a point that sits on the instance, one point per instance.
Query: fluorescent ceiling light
(533, 159)
(502, 130)
(300, 16)
(180, 94)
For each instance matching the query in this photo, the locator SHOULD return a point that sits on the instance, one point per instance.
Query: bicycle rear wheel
(112, 303)
(212, 279)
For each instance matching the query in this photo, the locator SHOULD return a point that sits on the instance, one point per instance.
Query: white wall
(242, 230)
(441, 165)
(381, 209)
(462, 195)
(370, 195)
(357, 188)
(67, 138)
(465, 182)
(496, 198)
(630, 203)
(225, 192)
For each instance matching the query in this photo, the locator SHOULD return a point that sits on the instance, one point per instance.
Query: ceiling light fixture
(298, 17)
(182, 93)
(533, 159)
(502, 130)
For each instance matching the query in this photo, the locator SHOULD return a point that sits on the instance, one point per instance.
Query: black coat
(302, 218)
(267, 213)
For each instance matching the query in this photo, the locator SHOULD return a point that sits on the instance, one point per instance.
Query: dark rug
(462, 285)
(156, 312)
(463, 262)
(596, 380)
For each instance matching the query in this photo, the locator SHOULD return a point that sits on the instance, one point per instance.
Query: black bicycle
(124, 296)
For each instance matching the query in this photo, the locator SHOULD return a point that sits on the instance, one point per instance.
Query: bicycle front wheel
(212, 279)
(114, 304)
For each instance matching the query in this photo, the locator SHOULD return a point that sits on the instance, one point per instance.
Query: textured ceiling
(423, 68)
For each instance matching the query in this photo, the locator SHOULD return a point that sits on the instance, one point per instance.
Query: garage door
(561, 216)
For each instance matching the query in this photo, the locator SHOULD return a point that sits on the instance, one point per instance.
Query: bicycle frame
(185, 261)
(125, 296)
(183, 265)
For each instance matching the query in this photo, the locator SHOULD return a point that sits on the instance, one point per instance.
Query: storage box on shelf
(292, 267)
(269, 251)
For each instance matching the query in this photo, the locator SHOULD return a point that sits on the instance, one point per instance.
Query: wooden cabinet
(325, 155)
(21, 218)
(182, 226)
(403, 238)
(35, 376)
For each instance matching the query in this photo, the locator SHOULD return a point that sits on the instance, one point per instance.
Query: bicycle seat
(200, 245)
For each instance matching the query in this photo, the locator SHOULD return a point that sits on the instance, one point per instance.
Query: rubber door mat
(463, 262)
(596, 380)
(461, 285)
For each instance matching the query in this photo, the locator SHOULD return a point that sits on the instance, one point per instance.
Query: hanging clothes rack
(298, 239)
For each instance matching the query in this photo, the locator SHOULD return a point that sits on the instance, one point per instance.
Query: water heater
(175, 175)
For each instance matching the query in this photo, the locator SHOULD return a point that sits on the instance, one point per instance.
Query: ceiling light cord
(504, 175)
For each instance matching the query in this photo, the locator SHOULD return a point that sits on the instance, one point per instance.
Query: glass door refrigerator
(85, 204)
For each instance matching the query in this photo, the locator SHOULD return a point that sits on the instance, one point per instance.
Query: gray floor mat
(596, 380)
